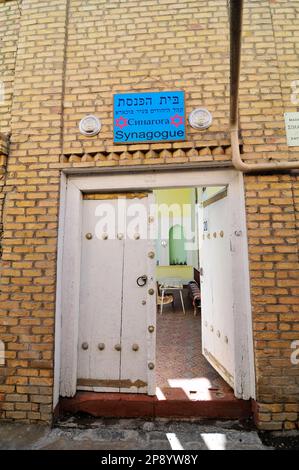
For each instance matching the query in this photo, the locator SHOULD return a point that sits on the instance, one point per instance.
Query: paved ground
(92, 434)
(179, 356)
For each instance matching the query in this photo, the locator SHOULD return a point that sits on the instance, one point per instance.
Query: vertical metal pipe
(235, 19)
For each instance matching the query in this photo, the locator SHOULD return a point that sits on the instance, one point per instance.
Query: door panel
(100, 303)
(216, 289)
(134, 316)
(114, 310)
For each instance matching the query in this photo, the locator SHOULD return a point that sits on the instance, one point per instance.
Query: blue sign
(149, 117)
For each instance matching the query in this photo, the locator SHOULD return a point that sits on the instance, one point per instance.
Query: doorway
(77, 191)
(195, 350)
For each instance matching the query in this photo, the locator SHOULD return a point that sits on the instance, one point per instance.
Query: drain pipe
(235, 18)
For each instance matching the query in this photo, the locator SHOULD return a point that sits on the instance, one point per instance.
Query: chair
(167, 299)
(194, 294)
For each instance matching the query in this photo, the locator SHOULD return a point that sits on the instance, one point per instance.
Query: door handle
(141, 280)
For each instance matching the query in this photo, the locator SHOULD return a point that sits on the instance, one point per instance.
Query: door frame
(68, 273)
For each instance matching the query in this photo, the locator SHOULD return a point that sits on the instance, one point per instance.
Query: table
(167, 284)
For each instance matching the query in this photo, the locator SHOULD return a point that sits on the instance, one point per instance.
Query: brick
(16, 415)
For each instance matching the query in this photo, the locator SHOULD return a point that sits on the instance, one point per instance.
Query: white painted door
(115, 343)
(216, 287)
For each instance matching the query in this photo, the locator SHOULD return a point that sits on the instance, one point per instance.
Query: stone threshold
(168, 403)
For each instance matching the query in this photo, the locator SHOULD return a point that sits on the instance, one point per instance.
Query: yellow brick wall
(9, 29)
(72, 56)
(273, 255)
(269, 65)
(9, 32)
(128, 46)
(30, 214)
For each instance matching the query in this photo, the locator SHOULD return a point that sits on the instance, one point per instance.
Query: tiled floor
(180, 362)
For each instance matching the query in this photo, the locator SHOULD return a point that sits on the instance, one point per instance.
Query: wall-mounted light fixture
(90, 125)
(200, 118)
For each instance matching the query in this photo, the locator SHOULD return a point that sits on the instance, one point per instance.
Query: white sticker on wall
(292, 128)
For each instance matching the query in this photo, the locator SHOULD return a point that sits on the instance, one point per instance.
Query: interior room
(181, 225)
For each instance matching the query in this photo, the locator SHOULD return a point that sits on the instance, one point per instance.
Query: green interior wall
(179, 196)
(181, 272)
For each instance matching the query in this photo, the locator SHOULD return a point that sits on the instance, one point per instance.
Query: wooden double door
(117, 317)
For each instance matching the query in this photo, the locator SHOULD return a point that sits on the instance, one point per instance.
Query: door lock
(141, 280)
